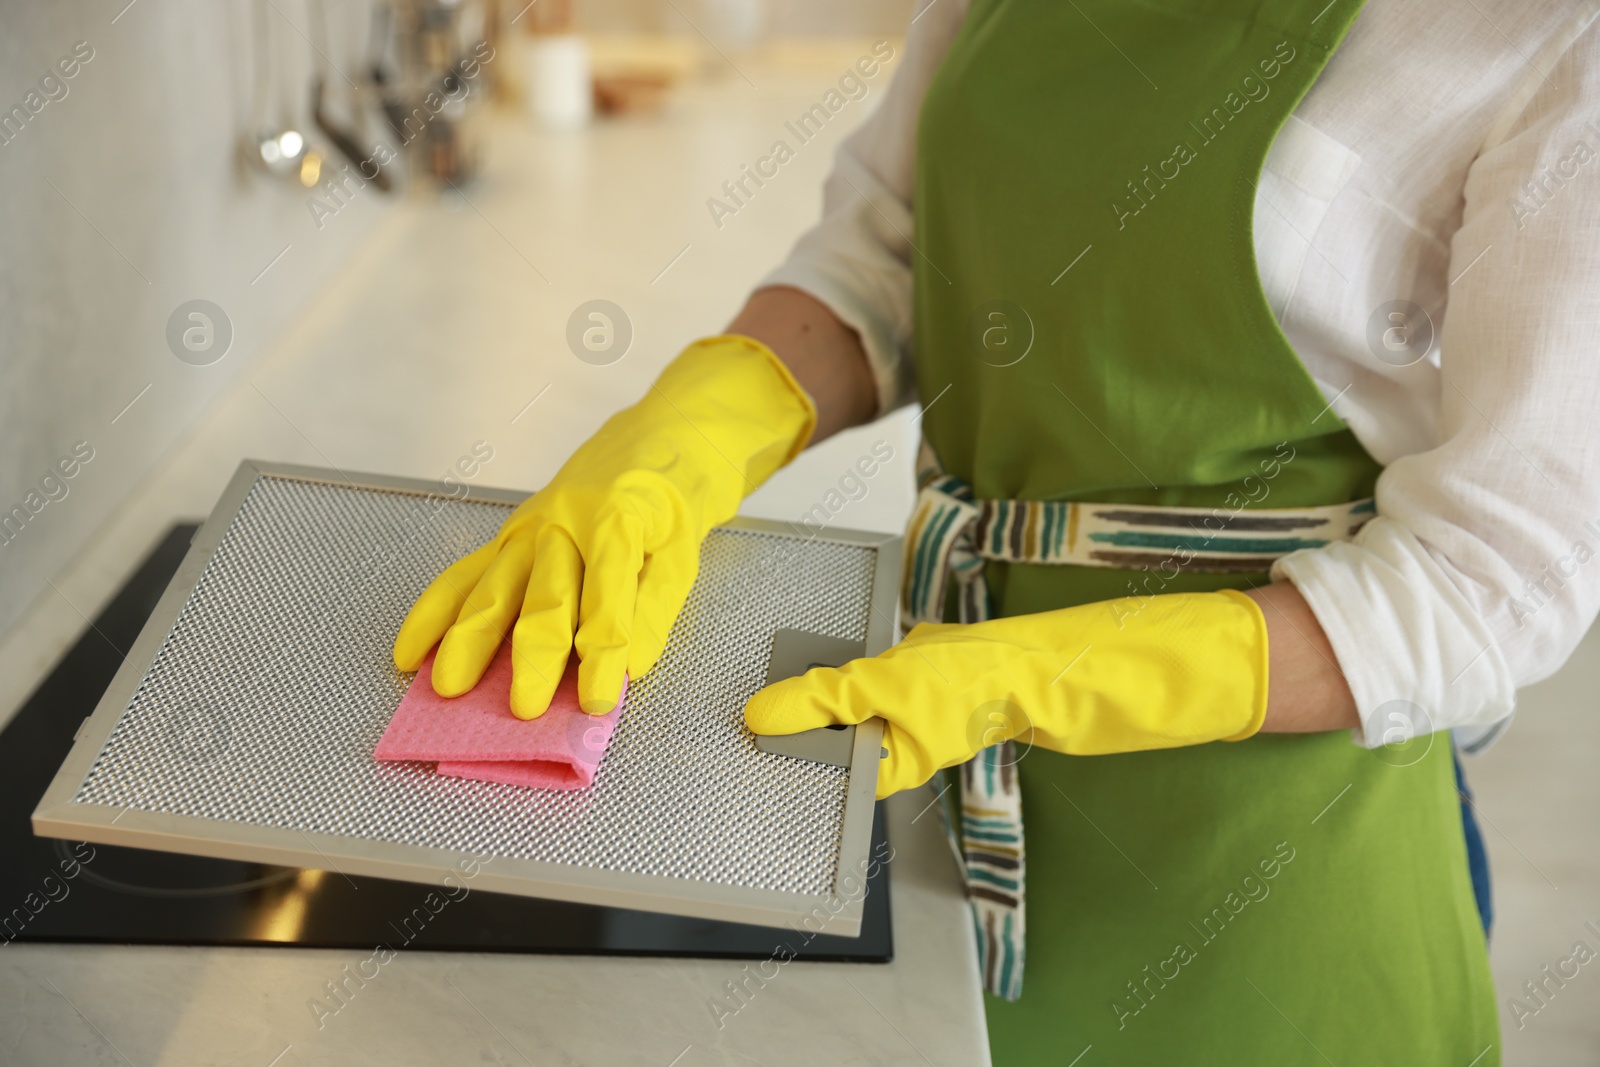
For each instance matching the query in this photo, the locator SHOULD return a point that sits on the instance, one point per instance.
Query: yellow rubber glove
(1113, 676)
(602, 558)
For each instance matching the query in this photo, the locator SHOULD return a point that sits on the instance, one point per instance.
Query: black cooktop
(54, 890)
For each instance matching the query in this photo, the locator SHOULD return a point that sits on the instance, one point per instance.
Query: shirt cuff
(1417, 656)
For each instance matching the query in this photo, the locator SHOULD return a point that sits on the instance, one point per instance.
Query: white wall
(119, 201)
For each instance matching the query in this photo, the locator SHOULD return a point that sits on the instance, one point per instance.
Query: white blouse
(1446, 161)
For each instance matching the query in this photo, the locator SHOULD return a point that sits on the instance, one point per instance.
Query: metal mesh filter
(267, 697)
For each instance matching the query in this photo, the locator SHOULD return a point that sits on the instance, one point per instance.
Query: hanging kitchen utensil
(433, 105)
(276, 147)
(378, 68)
(364, 159)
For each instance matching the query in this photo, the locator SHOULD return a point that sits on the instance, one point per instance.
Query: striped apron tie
(951, 535)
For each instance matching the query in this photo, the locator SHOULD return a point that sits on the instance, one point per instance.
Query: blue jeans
(1477, 858)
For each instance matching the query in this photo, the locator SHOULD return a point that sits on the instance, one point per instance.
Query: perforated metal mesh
(265, 701)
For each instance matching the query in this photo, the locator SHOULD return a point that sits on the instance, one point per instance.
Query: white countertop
(68, 1004)
(437, 335)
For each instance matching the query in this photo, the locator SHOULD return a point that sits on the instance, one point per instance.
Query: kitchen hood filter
(243, 721)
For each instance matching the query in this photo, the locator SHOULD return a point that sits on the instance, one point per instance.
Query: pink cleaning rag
(476, 736)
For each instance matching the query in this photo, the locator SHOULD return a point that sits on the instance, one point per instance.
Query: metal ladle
(282, 152)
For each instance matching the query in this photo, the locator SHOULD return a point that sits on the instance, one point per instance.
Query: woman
(1182, 286)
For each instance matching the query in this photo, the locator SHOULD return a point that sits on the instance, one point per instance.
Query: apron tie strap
(951, 535)
(940, 534)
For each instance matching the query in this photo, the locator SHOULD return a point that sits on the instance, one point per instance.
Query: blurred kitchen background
(199, 262)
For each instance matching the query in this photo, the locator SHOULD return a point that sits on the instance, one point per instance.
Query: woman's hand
(1114, 676)
(601, 560)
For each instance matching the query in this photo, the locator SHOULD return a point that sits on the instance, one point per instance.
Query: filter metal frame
(60, 814)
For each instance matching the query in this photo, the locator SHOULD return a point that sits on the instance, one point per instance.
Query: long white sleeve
(1479, 574)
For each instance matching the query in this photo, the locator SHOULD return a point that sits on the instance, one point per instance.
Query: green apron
(1085, 179)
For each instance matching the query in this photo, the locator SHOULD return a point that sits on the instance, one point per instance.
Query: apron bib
(1086, 288)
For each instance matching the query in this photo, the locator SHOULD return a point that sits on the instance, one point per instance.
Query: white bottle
(559, 88)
